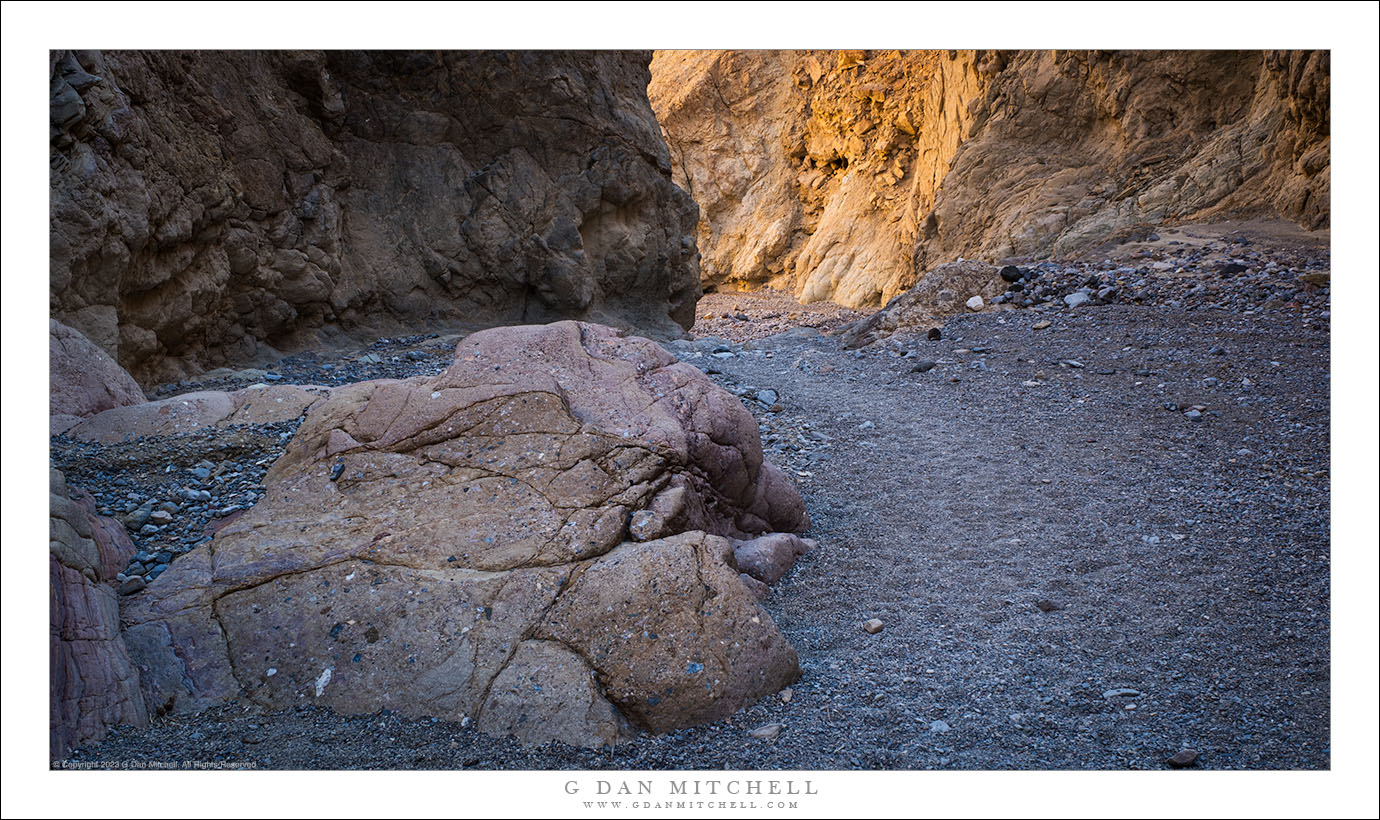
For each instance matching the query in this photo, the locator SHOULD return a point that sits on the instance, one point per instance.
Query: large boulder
(93, 684)
(214, 207)
(82, 379)
(463, 546)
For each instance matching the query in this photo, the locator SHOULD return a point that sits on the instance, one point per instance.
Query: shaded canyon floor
(1071, 569)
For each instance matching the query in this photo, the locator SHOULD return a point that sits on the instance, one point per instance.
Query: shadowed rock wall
(210, 207)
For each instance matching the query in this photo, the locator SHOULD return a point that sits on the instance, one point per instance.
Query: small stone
(975, 304)
(132, 585)
(786, 694)
(1184, 759)
(1121, 693)
(769, 731)
(1040, 325)
(939, 727)
(338, 470)
(872, 626)
(934, 334)
(1046, 605)
(160, 517)
(924, 366)
(1074, 300)
(1011, 273)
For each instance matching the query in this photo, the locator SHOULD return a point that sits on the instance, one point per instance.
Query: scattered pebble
(1184, 759)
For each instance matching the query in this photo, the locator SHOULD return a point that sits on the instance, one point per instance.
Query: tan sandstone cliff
(209, 207)
(844, 175)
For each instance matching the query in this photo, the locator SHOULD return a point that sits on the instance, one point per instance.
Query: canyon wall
(216, 207)
(845, 175)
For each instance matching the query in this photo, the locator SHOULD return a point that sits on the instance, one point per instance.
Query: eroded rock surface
(190, 412)
(93, 684)
(845, 175)
(536, 539)
(211, 207)
(82, 379)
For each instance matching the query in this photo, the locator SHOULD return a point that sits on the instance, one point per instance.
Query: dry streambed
(1070, 569)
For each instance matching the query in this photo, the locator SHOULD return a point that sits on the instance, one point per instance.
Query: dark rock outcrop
(211, 207)
(536, 539)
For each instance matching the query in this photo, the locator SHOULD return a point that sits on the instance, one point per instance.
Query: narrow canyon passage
(405, 409)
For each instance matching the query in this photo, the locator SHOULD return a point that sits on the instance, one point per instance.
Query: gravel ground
(399, 357)
(1091, 546)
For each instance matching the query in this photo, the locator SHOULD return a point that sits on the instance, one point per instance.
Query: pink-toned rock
(759, 590)
(82, 379)
(464, 546)
(771, 556)
(93, 685)
(113, 544)
(194, 411)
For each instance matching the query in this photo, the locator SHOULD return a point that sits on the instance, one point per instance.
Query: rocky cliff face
(207, 207)
(845, 175)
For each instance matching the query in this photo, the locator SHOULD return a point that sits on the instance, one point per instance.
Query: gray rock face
(210, 207)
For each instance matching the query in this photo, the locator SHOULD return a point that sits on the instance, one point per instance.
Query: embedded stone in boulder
(460, 546)
(771, 556)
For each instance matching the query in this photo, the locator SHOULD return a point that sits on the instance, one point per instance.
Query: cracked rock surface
(459, 546)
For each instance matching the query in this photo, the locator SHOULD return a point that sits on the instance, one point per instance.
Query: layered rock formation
(93, 684)
(82, 379)
(208, 207)
(846, 175)
(537, 539)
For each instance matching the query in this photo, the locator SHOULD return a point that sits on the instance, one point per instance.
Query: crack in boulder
(447, 574)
